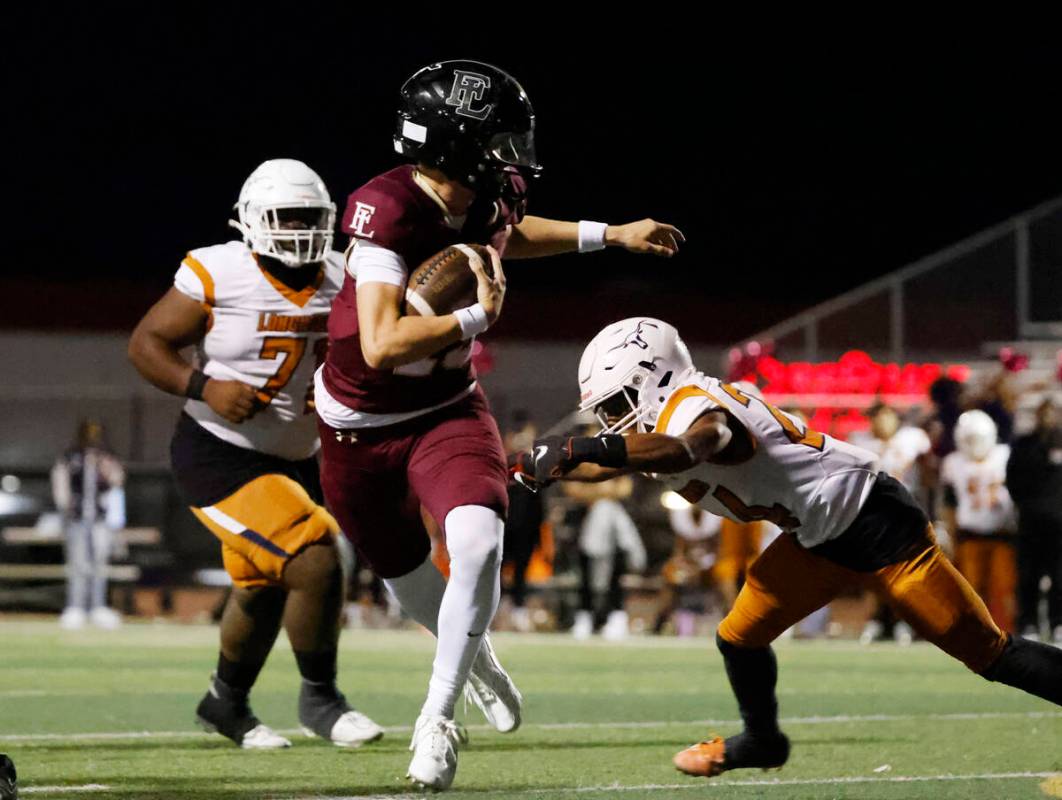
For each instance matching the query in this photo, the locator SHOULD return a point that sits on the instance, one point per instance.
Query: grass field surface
(109, 715)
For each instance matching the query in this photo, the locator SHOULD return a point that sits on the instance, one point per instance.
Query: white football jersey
(266, 335)
(984, 504)
(801, 480)
(899, 455)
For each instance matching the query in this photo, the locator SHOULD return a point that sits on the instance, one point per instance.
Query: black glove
(553, 457)
(522, 470)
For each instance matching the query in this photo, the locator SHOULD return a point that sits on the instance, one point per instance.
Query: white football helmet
(975, 434)
(629, 369)
(278, 191)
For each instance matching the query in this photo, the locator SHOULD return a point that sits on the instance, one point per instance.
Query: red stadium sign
(854, 373)
(835, 395)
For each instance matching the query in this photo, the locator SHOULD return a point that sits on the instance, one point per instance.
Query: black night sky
(799, 163)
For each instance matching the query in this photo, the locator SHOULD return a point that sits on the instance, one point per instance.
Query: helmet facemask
(515, 150)
(620, 412)
(295, 234)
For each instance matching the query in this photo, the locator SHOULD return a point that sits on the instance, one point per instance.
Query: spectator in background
(1034, 477)
(609, 547)
(944, 394)
(979, 512)
(901, 449)
(524, 523)
(999, 400)
(88, 490)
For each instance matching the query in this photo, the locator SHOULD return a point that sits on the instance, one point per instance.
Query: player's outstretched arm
(537, 236)
(173, 323)
(599, 458)
(389, 339)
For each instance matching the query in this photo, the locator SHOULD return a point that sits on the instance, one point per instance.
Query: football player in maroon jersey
(403, 422)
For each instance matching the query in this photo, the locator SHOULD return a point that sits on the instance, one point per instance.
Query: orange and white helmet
(278, 189)
(628, 370)
(975, 434)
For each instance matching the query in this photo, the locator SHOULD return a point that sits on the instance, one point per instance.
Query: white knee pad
(474, 537)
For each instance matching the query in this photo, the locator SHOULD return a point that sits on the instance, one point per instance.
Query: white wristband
(473, 320)
(591, 236)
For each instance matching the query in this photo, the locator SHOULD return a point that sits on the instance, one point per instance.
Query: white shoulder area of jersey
(371, 263)
(219, 274)
(685, 404)
(865, 439)
(334, 267)
(1001, 452)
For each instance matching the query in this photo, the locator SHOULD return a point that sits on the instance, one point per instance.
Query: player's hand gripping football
(490, 291)
(233, 400)
(646, 236)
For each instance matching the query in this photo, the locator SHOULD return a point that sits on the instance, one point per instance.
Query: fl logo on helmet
(467, 92)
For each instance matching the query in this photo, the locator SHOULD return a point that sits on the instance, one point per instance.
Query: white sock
(474, 539)
(420, 594)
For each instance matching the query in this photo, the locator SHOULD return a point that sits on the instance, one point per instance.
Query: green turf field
(110, 715)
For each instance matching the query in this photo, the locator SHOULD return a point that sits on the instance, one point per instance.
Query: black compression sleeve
(608, 450)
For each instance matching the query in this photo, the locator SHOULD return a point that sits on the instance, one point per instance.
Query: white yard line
(88, 787)
(548, 726)
(703, 786)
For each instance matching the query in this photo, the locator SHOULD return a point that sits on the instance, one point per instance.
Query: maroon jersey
(392, 211)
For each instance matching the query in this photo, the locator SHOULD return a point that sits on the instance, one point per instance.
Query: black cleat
(225, 710)
(749, 751)
(8, 779)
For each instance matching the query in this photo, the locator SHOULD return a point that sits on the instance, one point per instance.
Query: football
(445, 282)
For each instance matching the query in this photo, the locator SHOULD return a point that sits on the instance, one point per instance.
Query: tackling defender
(244, 451)
(844, 523)
(403, 422)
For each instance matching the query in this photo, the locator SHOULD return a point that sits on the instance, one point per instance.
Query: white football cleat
(872, 631)
(903, 634)
(262, 737)
(493, 691)
(583, 627)
(73, 618)
(106, 618)
(353, 729)
(434, 746)
(616, 627)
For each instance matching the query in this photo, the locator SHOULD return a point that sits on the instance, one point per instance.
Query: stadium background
(798, 168)
(804, 158)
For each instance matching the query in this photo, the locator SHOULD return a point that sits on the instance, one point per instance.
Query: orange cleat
(704, 759)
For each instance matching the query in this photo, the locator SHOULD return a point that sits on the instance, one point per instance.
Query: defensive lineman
(244, 451)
